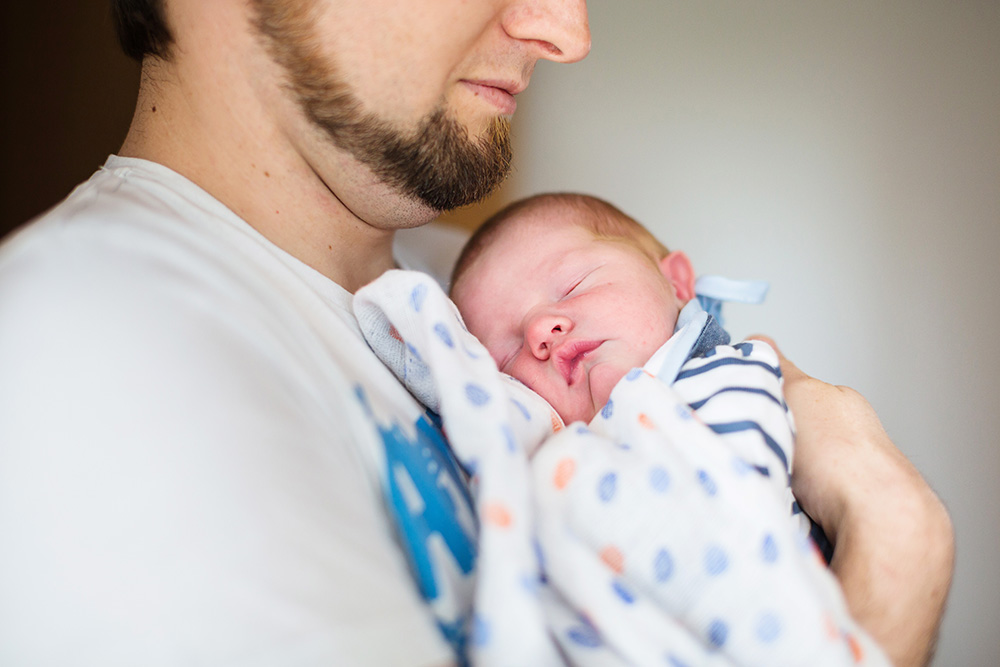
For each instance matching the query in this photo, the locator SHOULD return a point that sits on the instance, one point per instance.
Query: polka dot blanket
(642, 538)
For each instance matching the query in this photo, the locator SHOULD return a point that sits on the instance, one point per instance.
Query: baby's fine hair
(603, 219)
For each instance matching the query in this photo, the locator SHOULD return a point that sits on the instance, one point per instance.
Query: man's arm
(893, 541)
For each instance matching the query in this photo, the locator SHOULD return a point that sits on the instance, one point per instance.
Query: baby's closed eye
(578, 282)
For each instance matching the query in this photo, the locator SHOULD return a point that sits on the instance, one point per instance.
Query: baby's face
(565, 313)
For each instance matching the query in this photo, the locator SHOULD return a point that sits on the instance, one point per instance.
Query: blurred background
(848, 153)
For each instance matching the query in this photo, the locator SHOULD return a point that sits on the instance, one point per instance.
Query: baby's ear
(678, 270)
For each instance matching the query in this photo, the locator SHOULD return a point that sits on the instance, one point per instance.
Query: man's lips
(567, 357)
(499, 93)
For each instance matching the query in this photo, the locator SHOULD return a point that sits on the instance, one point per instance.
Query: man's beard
(437, 164)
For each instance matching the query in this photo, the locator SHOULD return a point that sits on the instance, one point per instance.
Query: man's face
(420, 92)
(565, 313)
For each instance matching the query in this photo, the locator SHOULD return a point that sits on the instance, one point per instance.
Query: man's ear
(678, 270)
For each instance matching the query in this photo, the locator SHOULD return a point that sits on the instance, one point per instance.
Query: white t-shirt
(201, 461)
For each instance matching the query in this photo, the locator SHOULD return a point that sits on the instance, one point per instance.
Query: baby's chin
(576, 413)
(585, 411)
(586, 404)
(603, 379)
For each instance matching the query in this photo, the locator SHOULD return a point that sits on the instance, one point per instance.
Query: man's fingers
(789, 370)
(766, 339)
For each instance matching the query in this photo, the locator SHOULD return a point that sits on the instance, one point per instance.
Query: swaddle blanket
(643, 538)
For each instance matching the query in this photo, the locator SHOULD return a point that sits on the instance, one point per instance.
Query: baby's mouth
(570, 354)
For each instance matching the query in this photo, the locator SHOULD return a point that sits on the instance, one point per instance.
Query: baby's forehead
(514, 242)
(544, 220)
(536, 238)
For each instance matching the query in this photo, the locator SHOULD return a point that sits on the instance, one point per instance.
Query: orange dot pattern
(564, 473)
(557, 424)
(856, 650)
(613, 558)
(498, 515)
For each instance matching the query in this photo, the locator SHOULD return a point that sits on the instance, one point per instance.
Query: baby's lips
(569, 355)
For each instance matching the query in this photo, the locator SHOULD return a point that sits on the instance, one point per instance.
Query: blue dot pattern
(531, 583)
(417, 296)
(480, 631)
(442, 333)
(741, 467)
(607, 486)
(521, 409)
(659, 479)
(539, 556)
(476, 394)
(608, 410)
(584, 635)
(623, 592)
(716, 561)
(768, 628)
(718, 633)
(508, 436)
(769, 549)
(707, 483)
(663, 566)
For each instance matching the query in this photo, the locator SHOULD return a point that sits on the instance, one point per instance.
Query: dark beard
(438, 164)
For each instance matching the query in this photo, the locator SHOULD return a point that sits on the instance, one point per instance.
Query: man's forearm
(894, 558)
(894, 547)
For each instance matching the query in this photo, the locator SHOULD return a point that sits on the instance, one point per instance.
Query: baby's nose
(542, 331)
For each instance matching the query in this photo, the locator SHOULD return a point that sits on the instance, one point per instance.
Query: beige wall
(849, 153)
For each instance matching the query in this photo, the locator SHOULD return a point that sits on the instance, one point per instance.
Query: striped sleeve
(737, 391)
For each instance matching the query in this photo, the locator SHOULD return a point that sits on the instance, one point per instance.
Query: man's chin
(451, 170)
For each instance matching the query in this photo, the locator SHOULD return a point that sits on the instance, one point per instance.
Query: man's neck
(221, 137)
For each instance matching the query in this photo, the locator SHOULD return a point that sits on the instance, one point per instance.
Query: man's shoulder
(105, 222)
(127, 264)
(137, 231)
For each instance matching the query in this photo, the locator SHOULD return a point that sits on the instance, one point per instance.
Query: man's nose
(543, 331)
(559, 28)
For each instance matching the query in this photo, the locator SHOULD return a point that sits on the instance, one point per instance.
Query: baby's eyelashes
(575, 284)
(572, 288)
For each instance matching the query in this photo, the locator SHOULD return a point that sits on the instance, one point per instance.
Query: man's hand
(893, 540)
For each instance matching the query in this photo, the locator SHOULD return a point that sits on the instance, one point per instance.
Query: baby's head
(568, 294)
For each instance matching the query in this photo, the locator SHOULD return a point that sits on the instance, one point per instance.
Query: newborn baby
(568, 294)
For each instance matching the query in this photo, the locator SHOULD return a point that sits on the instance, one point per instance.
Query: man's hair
(141, 27)
(606, 221)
